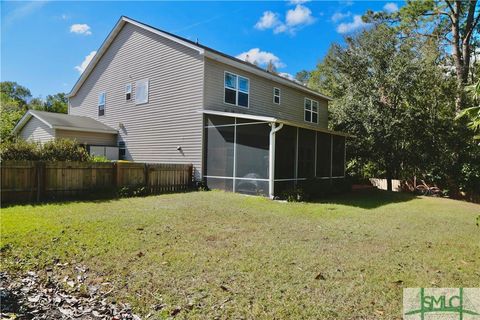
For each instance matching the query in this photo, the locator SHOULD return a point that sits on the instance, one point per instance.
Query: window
(237, 90)
(128, 92)
(121, 150)
(311, 110)
(276, 95)
(101, 104)
(141, 91)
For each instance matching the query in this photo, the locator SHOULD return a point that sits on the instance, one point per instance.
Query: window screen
(306, 153)
(276, 95)
(230, 88)
(128, 91)
(219, 152)
(252, 151)
(285, 141)
(338, 156)
(311, 110)
(141, 91)
(323, 154)
(237, 90)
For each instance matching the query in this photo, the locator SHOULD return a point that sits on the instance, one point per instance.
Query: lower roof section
(275, 120)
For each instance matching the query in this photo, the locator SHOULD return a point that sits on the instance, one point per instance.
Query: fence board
(30, 180)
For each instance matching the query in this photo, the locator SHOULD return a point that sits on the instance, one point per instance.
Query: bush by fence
(29, 181)
(55, 150)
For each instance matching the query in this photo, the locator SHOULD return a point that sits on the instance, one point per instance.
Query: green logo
(441, 303)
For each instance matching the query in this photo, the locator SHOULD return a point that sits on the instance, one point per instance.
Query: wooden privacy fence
(23, 181)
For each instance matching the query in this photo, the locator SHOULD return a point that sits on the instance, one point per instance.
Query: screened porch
(265, 156)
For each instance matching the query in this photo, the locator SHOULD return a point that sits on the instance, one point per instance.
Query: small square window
(128, 91)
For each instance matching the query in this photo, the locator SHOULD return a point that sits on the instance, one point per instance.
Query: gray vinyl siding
(153, 131)
(36, 130)
(261, 96)
(91, 138)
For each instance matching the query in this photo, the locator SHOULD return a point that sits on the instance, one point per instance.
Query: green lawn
(216, 254)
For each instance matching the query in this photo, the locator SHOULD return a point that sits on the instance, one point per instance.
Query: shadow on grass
(100, 197)
(368, 199)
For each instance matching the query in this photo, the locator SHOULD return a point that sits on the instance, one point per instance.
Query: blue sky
(46, 44)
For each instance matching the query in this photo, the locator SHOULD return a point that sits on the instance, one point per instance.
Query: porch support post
(271, 164)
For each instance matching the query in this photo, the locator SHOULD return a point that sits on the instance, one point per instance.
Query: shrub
(55, 150)
(94, 158)
(132, 191)
(20, 150)
(64, 150)
(311, 189)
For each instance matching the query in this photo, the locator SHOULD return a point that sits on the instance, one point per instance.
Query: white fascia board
(264, 74)
(85, 130)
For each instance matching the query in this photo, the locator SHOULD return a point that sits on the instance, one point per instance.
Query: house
(173, 100)
(42, 126)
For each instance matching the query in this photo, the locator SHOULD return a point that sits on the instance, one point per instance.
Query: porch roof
(276, 120)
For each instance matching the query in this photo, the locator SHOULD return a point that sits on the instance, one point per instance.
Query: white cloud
(390, 7)
(80, 29)
(64, 16)
(340, 16)
(298, 1)
(23, 10)
(85, 62)
(301, 15)
(260, 57)
(294, 19)
(347, 27)
(267, 21)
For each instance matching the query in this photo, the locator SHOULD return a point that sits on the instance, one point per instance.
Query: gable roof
(203, 50)
(64, 122)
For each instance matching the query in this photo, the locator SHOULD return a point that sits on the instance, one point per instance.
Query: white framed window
(236, 90)
(128, 92)
(141, 91)
(311, 110)
(101, 103)
(276, 95)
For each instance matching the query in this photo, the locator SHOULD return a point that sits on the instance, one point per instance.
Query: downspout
(271, 165)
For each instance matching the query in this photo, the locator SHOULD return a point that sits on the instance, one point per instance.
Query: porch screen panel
(338, 156)
(323, 154)
(252, 159)
(285, 141)
(219, 151)
(306, 153)
(213, 120)
(221, 184)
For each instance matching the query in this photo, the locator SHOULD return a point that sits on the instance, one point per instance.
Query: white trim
(237, 89)
(271, 158)
(24, 120)
(236, 178)
(311, 110)
(128, 92)
(84, 130)
(104, 103)
(234, 154)
(279, 95)
(293, 179)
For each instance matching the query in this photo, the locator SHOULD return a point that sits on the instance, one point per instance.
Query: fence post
(41, 181)
(147, 177)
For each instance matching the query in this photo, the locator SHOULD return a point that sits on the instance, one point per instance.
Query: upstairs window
(237, 90)
(101, 104)
(276, 95)
(141, 91)
(128, 92)
(311, 110)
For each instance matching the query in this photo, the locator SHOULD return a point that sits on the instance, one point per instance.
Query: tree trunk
(389, 179)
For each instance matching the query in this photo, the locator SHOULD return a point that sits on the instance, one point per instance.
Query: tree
(13, 91)
(302, 76)
(473, 113)
(57, 103)
(454, 22)
(390, 93)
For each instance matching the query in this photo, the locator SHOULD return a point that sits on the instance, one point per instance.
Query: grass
(223, 255)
